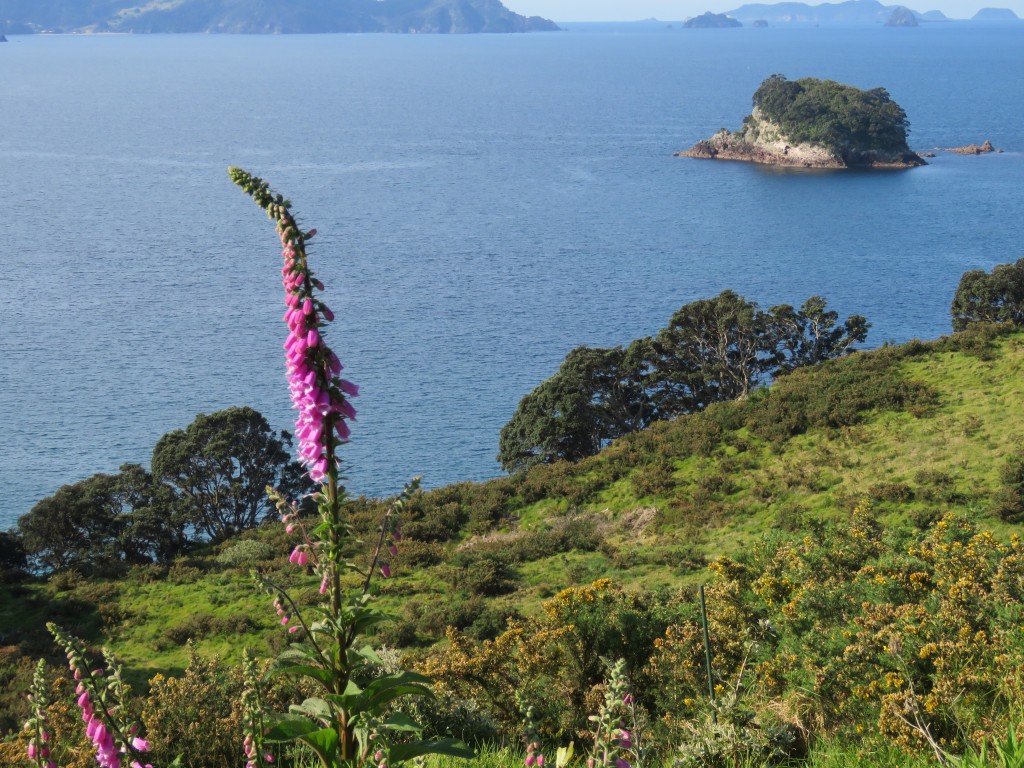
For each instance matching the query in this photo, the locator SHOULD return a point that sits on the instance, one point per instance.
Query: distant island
(814, 123)
(995, 14)
(709, 20)
(902, 17)
(259, 17)
(851, 11)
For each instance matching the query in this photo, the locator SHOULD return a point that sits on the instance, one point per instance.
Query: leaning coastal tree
(996, 297)
(712, 350)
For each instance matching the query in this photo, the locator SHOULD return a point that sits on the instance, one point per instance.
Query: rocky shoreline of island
(725, 145)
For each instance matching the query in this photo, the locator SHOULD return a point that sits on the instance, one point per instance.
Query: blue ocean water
(484, 203)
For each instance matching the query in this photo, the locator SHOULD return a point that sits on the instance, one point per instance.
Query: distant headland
(814, 123)
(851, 12)
(995, 14)
(257, 17)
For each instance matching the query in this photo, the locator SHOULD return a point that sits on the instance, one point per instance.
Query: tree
(13, 560)
(155, 527)
(711, 350)
(811, 335)
(595, 397)
(104, 523)
(80, 527)
(219, 468)
(993, 298)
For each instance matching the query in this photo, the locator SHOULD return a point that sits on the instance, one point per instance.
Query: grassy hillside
(919, 430)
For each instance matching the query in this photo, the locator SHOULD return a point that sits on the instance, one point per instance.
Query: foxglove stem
(271, 586)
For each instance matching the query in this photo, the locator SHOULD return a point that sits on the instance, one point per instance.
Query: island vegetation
(855, 520)
(709, 20)
(816, 123)
(902, 17)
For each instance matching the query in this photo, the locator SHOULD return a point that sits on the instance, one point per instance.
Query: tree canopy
(208, 481)
(996, 297)
(103, 523)
(596, 396)
(711, 350)
(220, 466)
(832, 114)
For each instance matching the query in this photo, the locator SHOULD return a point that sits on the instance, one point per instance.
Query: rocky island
(902, 17)
(709, 20)
(814, 123)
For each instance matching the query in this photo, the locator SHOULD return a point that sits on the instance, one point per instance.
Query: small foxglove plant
(102, 694)
(254, 725)
(37, 724)
(614, 744)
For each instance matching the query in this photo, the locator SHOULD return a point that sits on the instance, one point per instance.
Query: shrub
(245, 553)
(653, 479)
(1010, 499)
(198, 715)
(494, 575)
(897, 492)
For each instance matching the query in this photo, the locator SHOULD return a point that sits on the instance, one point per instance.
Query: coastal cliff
(813, 123)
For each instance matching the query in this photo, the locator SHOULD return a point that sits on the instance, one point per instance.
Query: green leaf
(314, 707)
(322, 676)
(401, 752)
(385, 689)
(370, 655)
(402, 722)
(564, 755)
(298, 651)
(325, 743)
(353, 703)
(290, 728)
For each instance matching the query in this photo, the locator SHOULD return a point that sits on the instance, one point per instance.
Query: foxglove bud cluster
(253, 727)
(534, 757)
(299, 555)
(37, 724)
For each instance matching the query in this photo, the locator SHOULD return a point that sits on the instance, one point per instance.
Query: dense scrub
(848, 631)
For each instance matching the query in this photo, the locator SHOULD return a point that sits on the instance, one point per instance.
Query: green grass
(822, 755)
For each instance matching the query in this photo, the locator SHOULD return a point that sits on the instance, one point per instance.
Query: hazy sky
(631, 10)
